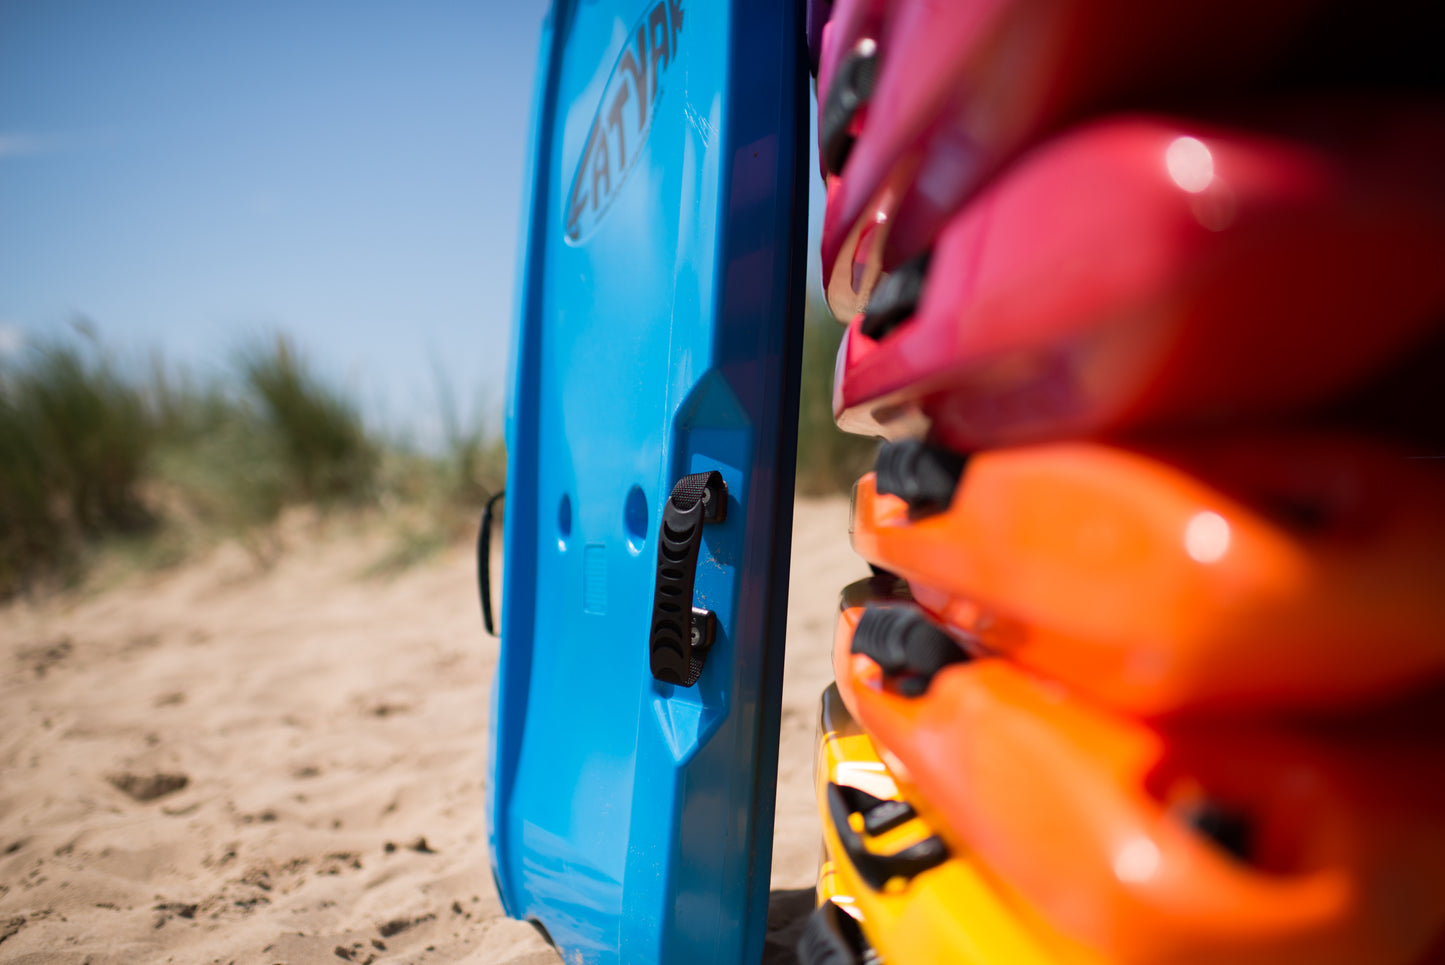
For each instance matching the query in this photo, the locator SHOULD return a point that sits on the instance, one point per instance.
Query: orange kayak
(906, 898)
(1279, 572)
(1252, 846)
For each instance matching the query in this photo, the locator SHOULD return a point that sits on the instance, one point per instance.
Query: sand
(228, 762)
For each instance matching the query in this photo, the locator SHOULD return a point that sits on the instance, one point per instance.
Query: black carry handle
(908, 647)
(923, 476)
(484, 561)
(878, 869)
(682, 633)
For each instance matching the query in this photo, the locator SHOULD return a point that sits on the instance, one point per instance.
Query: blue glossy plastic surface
(658, 334)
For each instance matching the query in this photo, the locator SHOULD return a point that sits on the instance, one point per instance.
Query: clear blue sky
(186, 173)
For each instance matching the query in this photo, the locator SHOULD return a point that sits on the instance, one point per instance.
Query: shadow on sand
(787, 913)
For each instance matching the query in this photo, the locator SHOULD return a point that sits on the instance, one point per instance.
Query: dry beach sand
(229, 763)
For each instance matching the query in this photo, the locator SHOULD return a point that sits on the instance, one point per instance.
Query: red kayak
(920, 101)
(1144, 271)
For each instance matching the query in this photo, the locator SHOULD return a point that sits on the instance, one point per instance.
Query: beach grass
(153, 462)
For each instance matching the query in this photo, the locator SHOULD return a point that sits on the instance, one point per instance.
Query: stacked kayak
(1140, 841)
(1147, 306)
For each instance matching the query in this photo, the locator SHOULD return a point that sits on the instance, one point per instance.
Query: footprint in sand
(148, 787)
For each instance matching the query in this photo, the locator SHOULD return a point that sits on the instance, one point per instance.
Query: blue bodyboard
(657, 336)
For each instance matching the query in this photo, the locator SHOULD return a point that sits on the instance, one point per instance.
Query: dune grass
(97, 453)
(75, 438)
(324, 448)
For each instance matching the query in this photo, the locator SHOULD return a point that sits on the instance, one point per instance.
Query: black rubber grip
(851, 88)
(484, 560)
(923, 476)
(880, 814)
(906, 646)
(680, 634)
(886, 816)
(896, 297)
(874, 868)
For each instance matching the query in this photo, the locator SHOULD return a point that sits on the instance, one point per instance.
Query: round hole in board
(564, 520)
(634, 518)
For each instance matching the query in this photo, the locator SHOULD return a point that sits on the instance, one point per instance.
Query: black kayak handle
(681, 633)
(874, 868)
(484, 560)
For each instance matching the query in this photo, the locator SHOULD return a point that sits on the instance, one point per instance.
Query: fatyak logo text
(624, 117)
